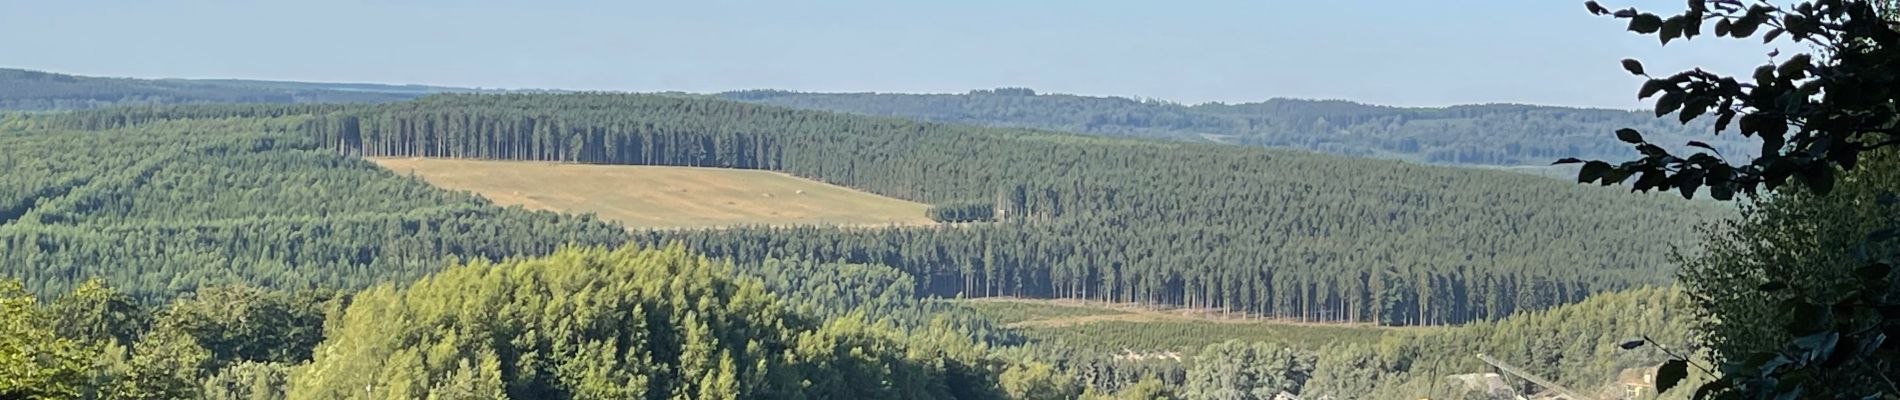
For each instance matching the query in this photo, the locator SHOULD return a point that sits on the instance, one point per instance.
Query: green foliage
(1799, 247)
(1285, 234)
(240, 323)
(249, 380)
(1146, 389)
(165, 365)
(1247, 371)
(1577, 345)
(1037, 381)
(1187, 336)
(170, 206)
(1810, 114)
(1008, 311)
(35, 363)
(590, 323)
(1825, 317)
(963, 211)
(96, 313)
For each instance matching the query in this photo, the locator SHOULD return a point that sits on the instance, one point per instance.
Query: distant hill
(1490, 134)
(40, 91)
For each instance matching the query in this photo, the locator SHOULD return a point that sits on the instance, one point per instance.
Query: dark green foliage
(248, 381)
(247, 324)
(1799, 247)
(1490, 134)
(1811, 115)
(1238, 371)
(166, 364)
(96, 313)
(168, 206)
(200, 195)
(963, 211)
(623, 324)
(1577, 345)
(35, 363)
(1089, 218)
(1820, 319)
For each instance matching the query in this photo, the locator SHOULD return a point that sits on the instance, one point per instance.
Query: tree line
(1278, 233)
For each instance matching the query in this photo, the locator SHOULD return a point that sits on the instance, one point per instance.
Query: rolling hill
(35, 90)
(1487, 134)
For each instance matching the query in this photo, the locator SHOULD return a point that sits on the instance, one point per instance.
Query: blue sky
(1419, 53)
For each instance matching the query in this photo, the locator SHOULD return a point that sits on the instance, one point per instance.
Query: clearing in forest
(657, 197)
(1133, 331)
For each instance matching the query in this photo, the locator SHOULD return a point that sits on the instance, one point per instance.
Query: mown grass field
(655, 197)
(1123, 329)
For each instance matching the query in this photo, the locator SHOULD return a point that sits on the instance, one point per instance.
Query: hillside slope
(1286, 234)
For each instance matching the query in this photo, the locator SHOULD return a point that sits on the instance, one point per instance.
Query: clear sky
(1421, 53)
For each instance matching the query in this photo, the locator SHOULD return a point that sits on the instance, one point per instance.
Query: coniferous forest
(237, 239)
(271, 204)
(1481, 134)
(1330, 239)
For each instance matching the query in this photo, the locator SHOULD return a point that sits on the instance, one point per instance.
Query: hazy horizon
(1397, 53)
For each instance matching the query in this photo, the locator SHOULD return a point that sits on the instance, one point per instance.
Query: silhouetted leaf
(1722, 192)
(1628, 135)
(1633, 344)
(1772, 286)
(1595, 9)
(1651, 87)
(1567, 160)
(1670, 30)
(1670, 374)
(1645, 23)
(1633, 66)
(1697, 143)
(1873, 271)
(1743, 27)
(1592, 171)
(1668, 103)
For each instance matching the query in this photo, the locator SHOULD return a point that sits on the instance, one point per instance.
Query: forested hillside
(34, 90)
(1491, 134)
(1285, 234)
(1577, 346)
(156, 201)
(581, 323)
(170, 206)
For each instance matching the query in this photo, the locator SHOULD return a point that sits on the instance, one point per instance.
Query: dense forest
(1279, 233)
(171, 206)
(1489, 134)
(581, 323)
(154, 209)
(34, 90)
